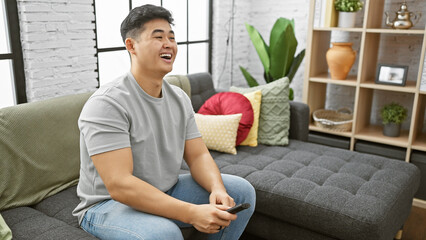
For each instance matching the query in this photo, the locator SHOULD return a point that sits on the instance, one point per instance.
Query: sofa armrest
(299, 121)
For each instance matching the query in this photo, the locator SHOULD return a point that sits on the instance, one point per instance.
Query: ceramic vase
(392, 129)
(340, 58)
(347, 19)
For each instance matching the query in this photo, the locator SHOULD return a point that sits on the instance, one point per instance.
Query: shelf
(375, 44)
(420, 143)
(410, 87)
(325, 78)
(339, 29)
(375, 134)
(312, 127)
(395, 31)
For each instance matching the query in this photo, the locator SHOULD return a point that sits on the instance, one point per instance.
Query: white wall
(262, 15)
(58, 47)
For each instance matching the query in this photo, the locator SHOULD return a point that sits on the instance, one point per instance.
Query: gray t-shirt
(120, 115)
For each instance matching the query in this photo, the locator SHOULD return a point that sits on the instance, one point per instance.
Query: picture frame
(391, 74)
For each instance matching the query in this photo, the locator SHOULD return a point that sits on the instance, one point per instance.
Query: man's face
(155, 50)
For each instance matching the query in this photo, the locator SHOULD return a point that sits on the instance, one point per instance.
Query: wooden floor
(415, 226)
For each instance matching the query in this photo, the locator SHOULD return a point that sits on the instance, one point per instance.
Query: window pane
(179, 66)
(178, 9)
(7, 92)
(112, 65)
(109, 15)
(198, 20)
(198, 57)
(4, 36)
(137, 3)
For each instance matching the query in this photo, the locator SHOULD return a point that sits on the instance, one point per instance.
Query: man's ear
(129, 42)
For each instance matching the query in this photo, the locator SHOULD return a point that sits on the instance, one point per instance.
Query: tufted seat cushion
(336, 192)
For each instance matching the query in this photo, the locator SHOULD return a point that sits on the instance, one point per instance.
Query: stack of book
(325, 14)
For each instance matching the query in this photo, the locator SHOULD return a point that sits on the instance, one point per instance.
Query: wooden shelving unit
(363, 83)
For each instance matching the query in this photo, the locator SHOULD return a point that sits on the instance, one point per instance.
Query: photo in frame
(391, 74)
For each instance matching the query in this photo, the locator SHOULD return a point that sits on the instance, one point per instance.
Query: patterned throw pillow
(225, 103)
(255, 99)
(274, 120)
(219, 132)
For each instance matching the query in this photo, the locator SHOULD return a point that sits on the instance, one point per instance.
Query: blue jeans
(113, 220)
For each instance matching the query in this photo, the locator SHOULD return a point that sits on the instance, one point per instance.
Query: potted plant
(393, 115)
(278, 58)
(347, 11)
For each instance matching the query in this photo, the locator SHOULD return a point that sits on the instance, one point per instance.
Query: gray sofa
(304, 190)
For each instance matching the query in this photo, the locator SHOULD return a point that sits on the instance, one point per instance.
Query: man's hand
(210, 218)
(221, 198)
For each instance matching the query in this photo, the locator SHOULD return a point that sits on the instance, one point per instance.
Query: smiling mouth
(167, 56)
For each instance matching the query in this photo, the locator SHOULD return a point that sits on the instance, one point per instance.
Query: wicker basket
(335, 120)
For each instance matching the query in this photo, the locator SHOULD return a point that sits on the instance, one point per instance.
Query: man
(135, 132)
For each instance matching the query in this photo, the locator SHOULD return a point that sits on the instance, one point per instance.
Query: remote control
(238, 208)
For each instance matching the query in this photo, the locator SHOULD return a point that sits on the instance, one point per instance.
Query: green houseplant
(278, 58)
(393, 115)
(347, 11)
(348, 5)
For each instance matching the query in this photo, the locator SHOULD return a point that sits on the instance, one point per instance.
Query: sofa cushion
(274, 122)
(61, 205)
(327, 189)
(47, 167)
(28, 223)
(225, 103)
(219, 132)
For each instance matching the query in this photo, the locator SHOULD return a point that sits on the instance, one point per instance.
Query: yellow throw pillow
(255, 100)
(219, 132)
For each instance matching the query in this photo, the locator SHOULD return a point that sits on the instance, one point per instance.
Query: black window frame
(209, 40)
(12, 17)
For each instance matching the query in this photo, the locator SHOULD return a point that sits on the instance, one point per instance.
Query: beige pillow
(219, 132)
(255, 99)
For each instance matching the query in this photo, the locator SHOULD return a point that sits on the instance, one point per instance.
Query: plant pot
(340, 59)
(391, 129)
(347, 19)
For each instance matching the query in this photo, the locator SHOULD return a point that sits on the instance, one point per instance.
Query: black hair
(133, 24)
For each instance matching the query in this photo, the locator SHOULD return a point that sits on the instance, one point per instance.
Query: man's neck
(151, 84)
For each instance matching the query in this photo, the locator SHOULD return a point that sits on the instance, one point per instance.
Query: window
(192, 28)
(12, 81)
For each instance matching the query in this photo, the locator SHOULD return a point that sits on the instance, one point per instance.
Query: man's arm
(205, 171)
(116, 167)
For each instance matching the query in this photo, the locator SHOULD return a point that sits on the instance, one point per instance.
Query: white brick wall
(58, 47)
(262, 15)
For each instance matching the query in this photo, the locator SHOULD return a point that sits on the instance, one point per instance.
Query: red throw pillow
(225, 103)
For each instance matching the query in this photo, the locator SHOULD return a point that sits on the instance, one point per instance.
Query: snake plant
(278, 58)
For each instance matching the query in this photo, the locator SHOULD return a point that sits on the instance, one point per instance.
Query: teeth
(166, 55)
